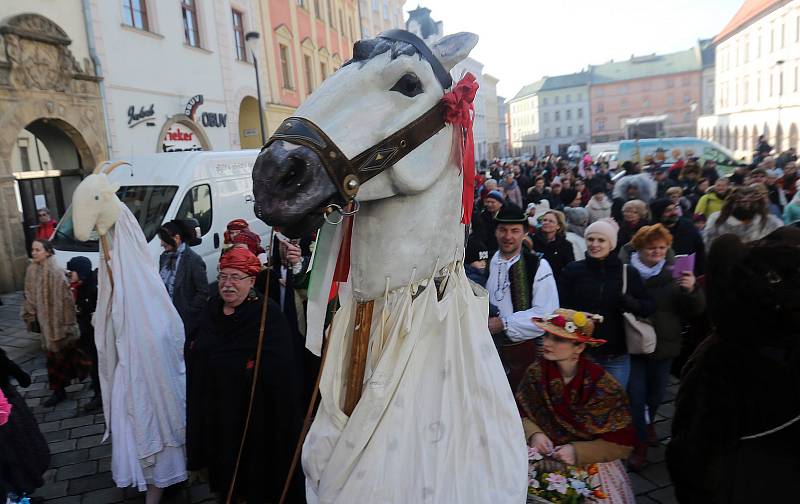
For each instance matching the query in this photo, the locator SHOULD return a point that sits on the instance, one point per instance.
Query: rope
(256, 372)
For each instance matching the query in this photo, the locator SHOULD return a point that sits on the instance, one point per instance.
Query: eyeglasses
(231, 278)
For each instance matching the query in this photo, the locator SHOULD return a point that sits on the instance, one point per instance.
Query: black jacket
(595, 286)
(686, 240)
(483, 227)
(558, 252)
(190, 292)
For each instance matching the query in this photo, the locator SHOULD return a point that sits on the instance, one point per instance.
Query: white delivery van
(212, 187)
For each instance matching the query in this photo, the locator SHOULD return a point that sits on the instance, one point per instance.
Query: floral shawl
(593, 405)
(49, 301)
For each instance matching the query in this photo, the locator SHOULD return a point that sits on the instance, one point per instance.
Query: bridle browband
(350, 174)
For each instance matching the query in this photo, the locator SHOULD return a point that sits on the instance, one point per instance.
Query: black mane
(365, 50)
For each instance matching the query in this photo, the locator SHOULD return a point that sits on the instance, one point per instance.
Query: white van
(212, 187)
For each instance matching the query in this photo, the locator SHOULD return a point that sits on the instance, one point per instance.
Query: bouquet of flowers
(570, 485)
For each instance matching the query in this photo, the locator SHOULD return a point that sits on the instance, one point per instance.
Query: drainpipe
(98, 69)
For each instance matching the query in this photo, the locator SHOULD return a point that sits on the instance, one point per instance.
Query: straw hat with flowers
(572, 325)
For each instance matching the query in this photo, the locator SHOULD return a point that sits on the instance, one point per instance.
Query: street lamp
(251, 41)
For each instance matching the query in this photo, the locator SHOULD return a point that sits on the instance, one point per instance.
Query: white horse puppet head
(387, 85)
(95, 204)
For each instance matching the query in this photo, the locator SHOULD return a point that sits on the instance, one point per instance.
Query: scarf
(593, 405)
(644, 270)
(170, 268)
(49, 301)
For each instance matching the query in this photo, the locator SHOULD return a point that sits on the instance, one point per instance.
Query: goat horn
(99, 167)
(113, 166)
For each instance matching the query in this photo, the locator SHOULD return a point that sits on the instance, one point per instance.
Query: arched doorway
(735, 142)
(793, 136)
(249, 126)
(779, 138)
(47, 165)
(754, 137)
(767, 136)
(745, 139)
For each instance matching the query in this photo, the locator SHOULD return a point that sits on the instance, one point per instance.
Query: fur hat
(606, 227)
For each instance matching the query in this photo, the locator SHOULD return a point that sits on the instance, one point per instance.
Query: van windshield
(149, 204)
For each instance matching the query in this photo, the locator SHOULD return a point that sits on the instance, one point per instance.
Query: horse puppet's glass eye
(409, 85)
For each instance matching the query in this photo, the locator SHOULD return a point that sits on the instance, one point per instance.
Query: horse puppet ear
(454, 48)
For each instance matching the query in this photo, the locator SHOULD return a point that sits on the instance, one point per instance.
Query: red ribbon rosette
(460, 112)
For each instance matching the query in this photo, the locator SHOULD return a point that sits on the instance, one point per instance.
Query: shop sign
(214, 119)
(180, 138)
(192, 105)
(136, 118)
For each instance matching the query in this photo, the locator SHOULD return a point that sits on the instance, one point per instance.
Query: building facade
(564, 112)
(502, 130)
(653, 95)
(52, 128)
(380, 15)
(492, 116)
(524, 121)
(305, 41)
(757, 81)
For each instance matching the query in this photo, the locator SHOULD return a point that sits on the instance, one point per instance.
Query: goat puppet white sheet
(437, 422)
(139, 337)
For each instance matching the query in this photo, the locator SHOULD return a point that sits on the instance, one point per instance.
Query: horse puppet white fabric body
(436, 421)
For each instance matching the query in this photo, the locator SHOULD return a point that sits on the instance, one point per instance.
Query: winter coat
(673, 305)
(595, 286)
(709, 203)
(190, 293)
(626, 231)
(751, 231)
(558, 252)
(687, 240)
(791, 213)
(598, 209)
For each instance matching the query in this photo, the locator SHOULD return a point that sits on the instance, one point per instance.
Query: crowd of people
(583, 266)
(553, 238)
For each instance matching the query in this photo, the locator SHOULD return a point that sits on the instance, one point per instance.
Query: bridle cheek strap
(350, 174)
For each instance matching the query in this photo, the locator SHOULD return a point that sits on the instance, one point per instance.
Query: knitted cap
(496, 195)
(606, 227)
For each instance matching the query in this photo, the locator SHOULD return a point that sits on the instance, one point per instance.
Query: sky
(524, 40)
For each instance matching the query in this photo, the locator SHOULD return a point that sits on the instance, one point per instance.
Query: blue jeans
(648, 382)
(618, 366)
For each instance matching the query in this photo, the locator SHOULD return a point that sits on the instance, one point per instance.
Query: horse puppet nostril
(295, 173)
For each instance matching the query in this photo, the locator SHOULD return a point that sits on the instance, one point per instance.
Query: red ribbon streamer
(342, 271)
(460, 112)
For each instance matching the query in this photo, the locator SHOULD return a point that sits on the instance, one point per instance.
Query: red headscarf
(249, 238)
(235, 225)
(242, 260)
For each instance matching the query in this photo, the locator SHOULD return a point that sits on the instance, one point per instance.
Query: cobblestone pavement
(80, 465)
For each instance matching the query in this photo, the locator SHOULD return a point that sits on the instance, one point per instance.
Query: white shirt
(544, 298)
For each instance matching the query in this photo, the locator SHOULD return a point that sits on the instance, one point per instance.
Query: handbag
(640, 335)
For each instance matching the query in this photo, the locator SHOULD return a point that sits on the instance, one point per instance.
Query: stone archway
(41, 82)
(249, 125)
(792, 136)
(745, 139)
(778, 138)
(201, 141)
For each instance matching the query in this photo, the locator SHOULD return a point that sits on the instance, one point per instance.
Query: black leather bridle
(350, 174)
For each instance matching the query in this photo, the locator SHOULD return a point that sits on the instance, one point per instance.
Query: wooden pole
(358, 355)
(104, 244)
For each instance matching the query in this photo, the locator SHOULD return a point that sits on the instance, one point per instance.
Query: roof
(749, 11)
(529, 89)
(652, 65)
(708, 52)
(566, 81)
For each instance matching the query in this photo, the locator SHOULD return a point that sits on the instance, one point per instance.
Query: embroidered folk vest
(520, 278)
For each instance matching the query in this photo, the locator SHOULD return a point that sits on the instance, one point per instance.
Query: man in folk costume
(521, 285)
(221, 364)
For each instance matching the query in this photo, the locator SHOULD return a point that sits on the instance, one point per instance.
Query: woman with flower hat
(574, 412)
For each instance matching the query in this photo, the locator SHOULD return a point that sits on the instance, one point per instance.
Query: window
(580, 113)
(580, 97)
(547, 133)
(558, 132)
(600, 107)
(623, 89)
(758, 88)
(286, 72)
(601, 124)
(770, 85)
(795, 79)
(797, 29)
(580, 128)
(557, 115)
(376, 5)
(569, 114)
(670, 100)
(686, 80)
(771, 39)
(323, 70)
(687, 117)
(386, 10)
(783, 35)
(546, 117)
(569, 130)
(330, 15)
(758, 55)
(352, 30)
(544, 101)
(341, 22)
(569, 98)
(309, 73)
(191, 31)
(197, 205)
(317, 9)
(746, 97)
(623, 104)
(134, 13)
(646, 102)
(238, 35)
(555, 101)
(670, 83)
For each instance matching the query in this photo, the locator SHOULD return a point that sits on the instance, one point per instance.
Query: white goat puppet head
(94, 205)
